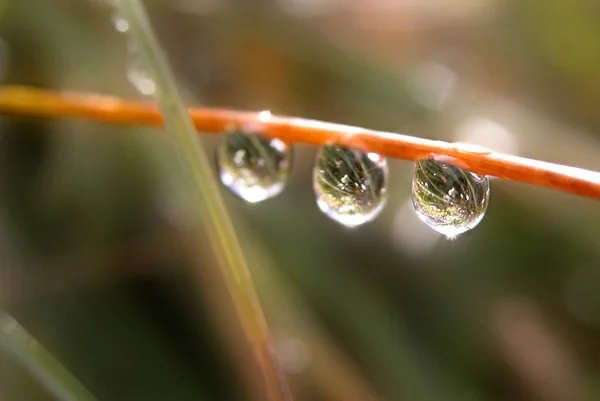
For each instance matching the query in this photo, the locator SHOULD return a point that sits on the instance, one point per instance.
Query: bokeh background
(101, 262)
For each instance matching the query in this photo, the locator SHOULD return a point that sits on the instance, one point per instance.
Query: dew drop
(253, 167)
(350, 185)
(449, 199)
(138, 77)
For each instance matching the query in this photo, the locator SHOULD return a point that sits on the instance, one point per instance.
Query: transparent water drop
(253, 167)
(350, 185)
(138, 77)
(449, 199)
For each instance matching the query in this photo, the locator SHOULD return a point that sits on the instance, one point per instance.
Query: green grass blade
(215, 217)
(17, 342)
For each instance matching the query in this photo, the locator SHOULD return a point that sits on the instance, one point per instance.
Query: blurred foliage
(101, 265)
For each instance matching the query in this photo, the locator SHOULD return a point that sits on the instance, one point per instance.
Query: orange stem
(26, 101)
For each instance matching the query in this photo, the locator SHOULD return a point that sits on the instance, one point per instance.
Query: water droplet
(139, 78)
(120, 24)
(253, 167)
(447, 198)
(350, 185)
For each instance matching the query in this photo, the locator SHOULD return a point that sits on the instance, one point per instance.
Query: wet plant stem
(26, 101)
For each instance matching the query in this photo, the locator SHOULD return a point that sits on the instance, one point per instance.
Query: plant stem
(34, 102)
(216, 220)
(16, 341)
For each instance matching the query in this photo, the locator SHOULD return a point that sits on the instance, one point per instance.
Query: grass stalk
(40, 363)
(217, 222)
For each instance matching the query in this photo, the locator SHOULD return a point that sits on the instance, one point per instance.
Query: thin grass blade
(41, 364)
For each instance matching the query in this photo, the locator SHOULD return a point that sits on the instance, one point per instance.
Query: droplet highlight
(350, 185)
(449, 199)
(252, 167)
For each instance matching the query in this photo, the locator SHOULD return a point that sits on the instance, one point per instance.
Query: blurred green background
(101, 262)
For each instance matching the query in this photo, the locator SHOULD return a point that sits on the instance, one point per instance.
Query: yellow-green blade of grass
(41, 364)
(215, 217)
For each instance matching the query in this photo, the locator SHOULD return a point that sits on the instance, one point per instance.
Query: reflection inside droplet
(350, 185)
(253, 167)
(447, 198)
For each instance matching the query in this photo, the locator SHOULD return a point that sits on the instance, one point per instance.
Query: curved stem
(35, 102)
